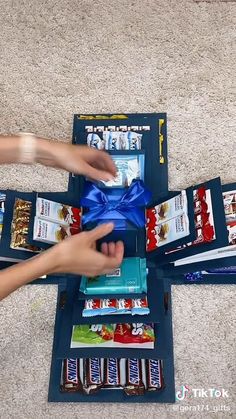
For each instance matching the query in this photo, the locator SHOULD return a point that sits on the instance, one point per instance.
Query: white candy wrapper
(51, 233)
(172, 230)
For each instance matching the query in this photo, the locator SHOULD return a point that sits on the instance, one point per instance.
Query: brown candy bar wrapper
(134, 381)
(154, 374)
(92, 375)
(20, 226)
(71, 376)
(111, 373)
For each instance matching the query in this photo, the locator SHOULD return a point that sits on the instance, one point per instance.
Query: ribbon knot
(105, 206)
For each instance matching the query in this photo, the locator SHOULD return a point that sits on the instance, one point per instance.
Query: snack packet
(93, 333)
(134, 333)
(130, 277)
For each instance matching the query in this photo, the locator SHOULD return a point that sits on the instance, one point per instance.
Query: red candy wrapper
(201, 219)
(151, 219)
(151, 240)
(204, 234)
(200, 207)
(200, 194)
(134, 333)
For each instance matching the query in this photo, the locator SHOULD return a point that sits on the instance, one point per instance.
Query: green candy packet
(95, 333)
(131, 277)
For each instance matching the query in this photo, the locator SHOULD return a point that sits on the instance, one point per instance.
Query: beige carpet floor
(62, 57)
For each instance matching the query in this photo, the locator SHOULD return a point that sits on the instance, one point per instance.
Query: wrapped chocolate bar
(58, 213)
(130, 277)
(172, 230)
(92, 375)
(20, 226)
(140, 306)
(113, 140)
(134, 381)
(112, 373)
(71, 376)
(172, 208)
(101, 307)
(154, 375)
(95, 141)
(2, 210)
(51, 233)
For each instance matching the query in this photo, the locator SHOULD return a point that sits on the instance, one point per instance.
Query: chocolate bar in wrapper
(71, 376)
(20, 226)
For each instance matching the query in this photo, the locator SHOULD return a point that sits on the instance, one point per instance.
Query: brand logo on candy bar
(154, 368)
(112, 371)
(134, 371)
(95, 376)
(72, 370)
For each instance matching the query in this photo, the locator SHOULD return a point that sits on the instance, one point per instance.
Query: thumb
(96, 174)
(100, 231)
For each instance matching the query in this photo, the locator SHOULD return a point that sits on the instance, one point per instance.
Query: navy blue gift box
(162, 271)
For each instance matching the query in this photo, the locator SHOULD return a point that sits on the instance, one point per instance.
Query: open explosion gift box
(180, 237)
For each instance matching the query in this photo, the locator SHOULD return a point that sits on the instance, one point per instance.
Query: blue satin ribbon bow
(104, 206)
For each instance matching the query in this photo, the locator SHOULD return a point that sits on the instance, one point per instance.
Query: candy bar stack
(54, 221)
(132, 376)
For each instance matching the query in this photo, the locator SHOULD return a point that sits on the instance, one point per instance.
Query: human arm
(76, 254)
(77, 159)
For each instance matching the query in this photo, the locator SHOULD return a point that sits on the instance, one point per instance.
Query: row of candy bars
(2, 210)
(101, 307)
(205, 231)
(55, 221)
(167, 222)
(134, 376)
(203, 219)
(115, 140)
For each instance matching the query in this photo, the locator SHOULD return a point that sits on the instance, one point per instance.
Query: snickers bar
(92, 375)
(112, 373)
(154, 375)
(134, 382)
(71, 376)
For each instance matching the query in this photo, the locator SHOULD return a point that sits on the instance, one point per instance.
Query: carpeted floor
(58, 58)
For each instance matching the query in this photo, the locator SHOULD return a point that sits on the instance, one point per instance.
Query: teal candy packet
(130, 277)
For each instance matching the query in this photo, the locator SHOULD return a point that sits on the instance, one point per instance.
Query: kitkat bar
(58, 213)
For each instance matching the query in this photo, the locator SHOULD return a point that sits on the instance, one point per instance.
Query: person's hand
(78, 254)
(77, 159)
